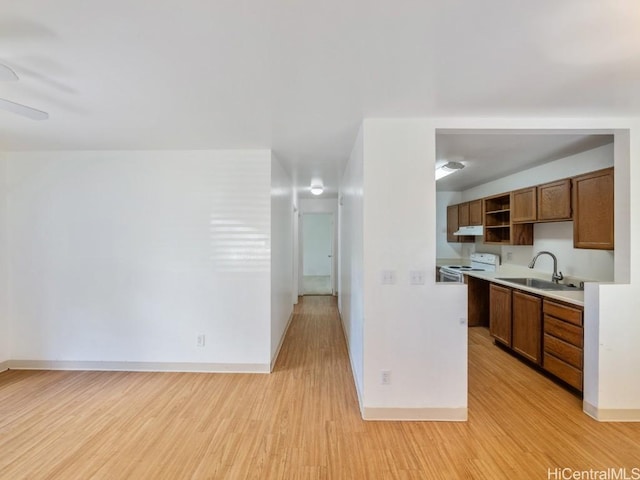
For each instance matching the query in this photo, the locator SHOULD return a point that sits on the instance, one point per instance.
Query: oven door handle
(451, 277)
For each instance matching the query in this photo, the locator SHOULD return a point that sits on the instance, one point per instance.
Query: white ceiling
(298, 77)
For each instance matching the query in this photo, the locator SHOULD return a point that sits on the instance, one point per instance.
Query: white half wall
(282, 230)
(611, 354)
(130, 256)
(351, 291)
(4, 267)
(418, 333)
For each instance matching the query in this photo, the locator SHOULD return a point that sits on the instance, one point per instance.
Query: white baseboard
(138, 366)
(4, 366)
(355, 382)
(286, 329)
(416, 414)
(611, 414)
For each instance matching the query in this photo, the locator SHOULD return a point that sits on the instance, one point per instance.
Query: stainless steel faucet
(557, 276)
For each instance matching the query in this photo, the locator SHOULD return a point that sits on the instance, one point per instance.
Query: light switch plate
(388, 277)
(417, 277)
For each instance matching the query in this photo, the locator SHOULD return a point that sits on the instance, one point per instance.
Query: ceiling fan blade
(23, 110)
(7, 74)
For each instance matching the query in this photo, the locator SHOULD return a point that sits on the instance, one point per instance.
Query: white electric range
(480, 262)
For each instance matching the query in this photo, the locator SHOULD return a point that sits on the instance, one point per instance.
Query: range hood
(474, 230)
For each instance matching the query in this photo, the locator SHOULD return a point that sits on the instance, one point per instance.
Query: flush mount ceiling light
(447, 169)
(316, 187)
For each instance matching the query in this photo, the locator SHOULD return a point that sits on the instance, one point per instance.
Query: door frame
(301, 249)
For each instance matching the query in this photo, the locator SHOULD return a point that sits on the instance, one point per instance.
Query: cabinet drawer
(563, 371)
(563, 350)
(572, 315)
(563, 330)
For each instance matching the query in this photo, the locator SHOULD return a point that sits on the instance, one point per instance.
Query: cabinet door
(463, 214)
(593, 210)
(527, 325)
(475, 212)
(453, 215)
(500, 313)
(523, 205)
(452, 222)
(554, 201)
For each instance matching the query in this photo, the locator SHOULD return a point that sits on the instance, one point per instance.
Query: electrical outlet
(417, 277)
(200, 340)
(388, 277)
(509, 256)
(385, 377)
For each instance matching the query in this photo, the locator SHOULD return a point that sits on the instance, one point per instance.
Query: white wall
(281, 254)
(295, 247)
(417, 332)
(4, 266)
(350, 293)
(595, 159)
(555, 237)
(128, 256)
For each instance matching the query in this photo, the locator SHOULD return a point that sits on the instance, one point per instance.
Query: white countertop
(575, 297)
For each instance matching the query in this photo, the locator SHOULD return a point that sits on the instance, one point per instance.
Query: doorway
(317, 254)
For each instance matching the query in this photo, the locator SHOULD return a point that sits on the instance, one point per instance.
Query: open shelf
(499, 228)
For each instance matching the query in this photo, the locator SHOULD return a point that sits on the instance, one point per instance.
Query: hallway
(301, 421)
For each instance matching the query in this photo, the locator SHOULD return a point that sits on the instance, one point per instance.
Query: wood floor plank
(301, 421)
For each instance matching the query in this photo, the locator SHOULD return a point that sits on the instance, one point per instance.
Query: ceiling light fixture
(316, 187)
(447, 169)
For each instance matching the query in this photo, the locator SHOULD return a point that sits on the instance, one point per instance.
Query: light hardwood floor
(302, 421)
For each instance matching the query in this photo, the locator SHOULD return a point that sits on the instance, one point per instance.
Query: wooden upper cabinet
(523, 205)
(593, 222)
(463, 214)
(554, 201)
(452, 222)
(475, 212)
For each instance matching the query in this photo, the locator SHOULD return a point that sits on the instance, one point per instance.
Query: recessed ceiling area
(492, 154)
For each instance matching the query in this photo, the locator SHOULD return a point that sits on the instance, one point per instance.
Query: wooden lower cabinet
(546, 332)
(562, 342)
(526, 326)
(500, 313)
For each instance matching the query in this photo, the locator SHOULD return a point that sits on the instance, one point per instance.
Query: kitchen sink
(540, 284)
